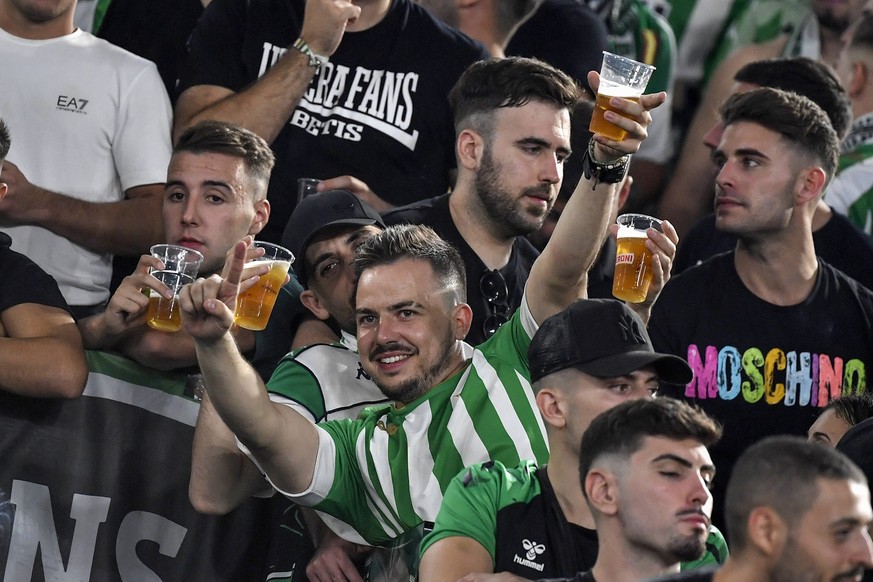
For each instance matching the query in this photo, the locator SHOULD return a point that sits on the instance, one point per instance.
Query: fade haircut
(780, 472)
(619, 432)
(813, 79)
(5, 140)
(798, 120)
(415, 241)
(491, 84)
(219, 137)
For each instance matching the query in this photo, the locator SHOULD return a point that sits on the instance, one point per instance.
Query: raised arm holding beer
(411, 320)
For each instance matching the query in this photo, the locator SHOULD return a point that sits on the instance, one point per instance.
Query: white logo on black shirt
(532, 550)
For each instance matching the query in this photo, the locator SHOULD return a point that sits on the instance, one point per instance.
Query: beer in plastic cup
(619, 77)
(254, 306)
(633, 261)
(178, 259)
(164, 314)
(181, 265)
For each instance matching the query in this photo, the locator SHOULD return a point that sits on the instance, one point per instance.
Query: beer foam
(269, 262)
(628, 232)
(617, 90)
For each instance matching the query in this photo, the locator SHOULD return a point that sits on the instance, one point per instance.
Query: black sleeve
(25, 282)
(214, 51)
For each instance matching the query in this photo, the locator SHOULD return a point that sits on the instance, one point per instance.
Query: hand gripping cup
(633, 261)
(619, 77)
(181, 265)
(253, 306)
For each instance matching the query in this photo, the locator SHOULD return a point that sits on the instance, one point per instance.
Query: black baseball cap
(603, 338)
(318, 212)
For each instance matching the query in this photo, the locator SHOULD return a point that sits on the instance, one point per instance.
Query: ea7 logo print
(532, 550)
(74, 104)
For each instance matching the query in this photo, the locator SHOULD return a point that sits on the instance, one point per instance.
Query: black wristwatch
(606, 172)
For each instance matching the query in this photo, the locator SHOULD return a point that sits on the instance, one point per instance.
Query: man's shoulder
(430, 212)
(700, 274)
(701, 575)
(495, 473)
(419, 21)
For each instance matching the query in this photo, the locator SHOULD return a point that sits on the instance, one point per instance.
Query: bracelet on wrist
(607, 172)
(316, 61)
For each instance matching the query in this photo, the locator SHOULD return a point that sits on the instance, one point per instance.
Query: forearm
(222, 477)
(237, 392)
(263, 108)
(561, 272)
(43, 367)
(126, 227)
(171, 351)
(95, 334)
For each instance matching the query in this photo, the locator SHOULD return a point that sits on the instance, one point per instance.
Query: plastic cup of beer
(181, 265)
(619, 77)
(306, 187)
(178, 259)
(633, 261)
(164, 314)
(253, 306)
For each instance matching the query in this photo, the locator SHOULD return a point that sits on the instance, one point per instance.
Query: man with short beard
(796, 512)
(496, 201)
(382, 476)
(645, 472)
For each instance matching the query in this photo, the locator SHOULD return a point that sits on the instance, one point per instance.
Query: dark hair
(491, 84)
(414, 241)
(800, 121)
(780, 472)
(5, 140)
(813, 79)
(218, 137)
(621, 429)
(853, 409)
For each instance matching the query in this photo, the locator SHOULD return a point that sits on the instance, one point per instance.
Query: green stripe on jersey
(393, 465)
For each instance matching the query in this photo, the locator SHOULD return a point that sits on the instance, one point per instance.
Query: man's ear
(601, 488)
(470, 149)
(810, 184)
(859, 79)
(313, 303)
(262, 215)
(767, 532)
(462, 317)
(551, 407)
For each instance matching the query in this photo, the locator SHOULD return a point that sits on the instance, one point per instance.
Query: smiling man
(215, 194)
(381, 476)
(771, 331)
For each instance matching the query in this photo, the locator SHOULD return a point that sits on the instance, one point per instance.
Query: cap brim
(671, 369)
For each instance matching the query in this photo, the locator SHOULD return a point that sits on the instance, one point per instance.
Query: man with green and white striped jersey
(381, 477)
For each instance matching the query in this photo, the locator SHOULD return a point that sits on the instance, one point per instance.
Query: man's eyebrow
(708, 468)
(752, 152)
(216, 183)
